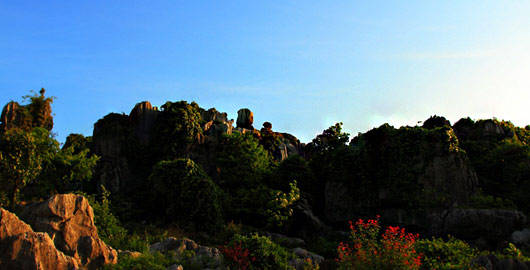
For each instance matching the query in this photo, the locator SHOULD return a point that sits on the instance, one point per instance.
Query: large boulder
(521, 238)
(245, 119)
(22, 248)
(69, 220)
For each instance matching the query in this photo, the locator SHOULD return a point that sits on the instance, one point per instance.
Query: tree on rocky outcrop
(241, 161)
(500, 153)
(332, 138)
(177, 128)
(270, 140)
(242, 165)
(37, 113)
(436, 121)
(78, 142)
(186, 194)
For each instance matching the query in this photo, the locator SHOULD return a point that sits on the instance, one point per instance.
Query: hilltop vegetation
(186, 171)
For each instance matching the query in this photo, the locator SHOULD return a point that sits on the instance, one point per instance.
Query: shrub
(280, 208)
(189, 195)
(255, 252)
(147, 261)
(441, 254)
(367, 250)
(108, 225)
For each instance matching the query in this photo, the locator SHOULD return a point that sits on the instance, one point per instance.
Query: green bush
(280, 208)
(147, 261)
(442, 254)
(241, 161)
(108, 225)
(176, 129)
(482, 201)
(259, 252)
(190, 196)
(296, 168)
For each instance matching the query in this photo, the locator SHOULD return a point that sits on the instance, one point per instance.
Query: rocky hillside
(186, 167)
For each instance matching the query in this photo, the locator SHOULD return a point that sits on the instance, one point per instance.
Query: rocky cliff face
(62, 235)
(449, 176)
(388, 170)
(123, 141)
(142, 118)
(110, 144)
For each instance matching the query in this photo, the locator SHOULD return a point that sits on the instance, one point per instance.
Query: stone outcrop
(206, 257)
(470, 224)
(10, 114)
(245, 119)
(386, 162)
(109, 142)
(340, 205)
(36, 114)
(69, 221)
(449, 176)
(467, 129)
(216, 124)
(304, 223)
(22, 248)
(521, 238)
(302, 257)
(142, 118)
(491, 262)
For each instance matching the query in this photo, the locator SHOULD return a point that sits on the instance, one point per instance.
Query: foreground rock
(22, 248)
(202, 256)
(69, 221)
(303, 258)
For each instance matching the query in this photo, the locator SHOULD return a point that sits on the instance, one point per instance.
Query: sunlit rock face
(69, 220)
(245, 119)
(62, 235)
(22, 248)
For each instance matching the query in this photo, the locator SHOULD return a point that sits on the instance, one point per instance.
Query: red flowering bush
(237, 256)
(367, 249)
(254, 252)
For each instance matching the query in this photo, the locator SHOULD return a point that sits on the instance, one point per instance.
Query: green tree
(330, 139)
(189, 195)
(177, 128)
(22, 155)
(66, 171)
(241, 161)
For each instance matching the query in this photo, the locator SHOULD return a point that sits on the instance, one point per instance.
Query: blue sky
(302, 65)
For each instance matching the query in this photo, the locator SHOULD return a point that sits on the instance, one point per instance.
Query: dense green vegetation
(179, 182)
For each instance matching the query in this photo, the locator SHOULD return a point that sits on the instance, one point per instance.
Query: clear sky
(302, 65)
